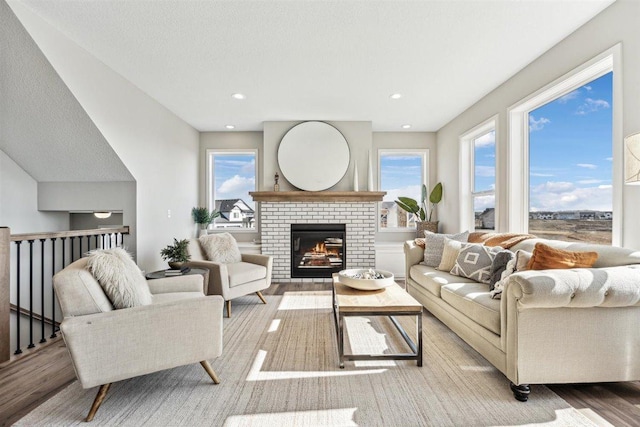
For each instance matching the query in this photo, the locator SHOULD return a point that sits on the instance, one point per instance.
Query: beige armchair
(180, 327)
(251, 275)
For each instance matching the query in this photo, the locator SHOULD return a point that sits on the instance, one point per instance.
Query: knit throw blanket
(505, 240)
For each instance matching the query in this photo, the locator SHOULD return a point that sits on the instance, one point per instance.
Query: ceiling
(317, 60)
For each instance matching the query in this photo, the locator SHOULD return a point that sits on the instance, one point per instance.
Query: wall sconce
(102, 215)
(632, 159)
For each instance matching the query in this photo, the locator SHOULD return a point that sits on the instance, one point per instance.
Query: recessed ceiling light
(238, 96)
(396, 96)
(406, 126)
(230, 126)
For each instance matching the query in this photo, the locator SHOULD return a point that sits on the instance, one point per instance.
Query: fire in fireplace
(317, 250)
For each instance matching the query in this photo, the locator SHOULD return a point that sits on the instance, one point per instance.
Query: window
(565, 156)
(570, 165)
(231, 176)
(401, 174)
(478, 177)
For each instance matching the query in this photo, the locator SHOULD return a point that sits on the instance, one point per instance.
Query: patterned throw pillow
(474, 262)
(434, 246)
(221, 248)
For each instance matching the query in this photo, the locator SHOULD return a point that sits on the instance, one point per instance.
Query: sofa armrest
(218, 276)
(579, 287)
(413, 254)
(189, 283)
(120, 344)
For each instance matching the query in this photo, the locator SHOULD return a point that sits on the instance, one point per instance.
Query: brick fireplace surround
(357, 210)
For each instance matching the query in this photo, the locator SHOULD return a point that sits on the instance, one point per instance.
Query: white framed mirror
(313, 156)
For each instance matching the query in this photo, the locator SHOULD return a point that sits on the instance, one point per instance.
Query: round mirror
(313, 156)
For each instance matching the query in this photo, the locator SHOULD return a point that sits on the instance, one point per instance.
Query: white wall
(617, 23)
(19, 202)
(158, 148)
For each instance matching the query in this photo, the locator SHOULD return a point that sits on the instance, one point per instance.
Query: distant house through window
(231, 175)
(401, 173)
(570, 165)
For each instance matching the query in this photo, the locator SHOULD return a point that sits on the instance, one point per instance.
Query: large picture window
(401, 173)
(570, 165)
(231, 175)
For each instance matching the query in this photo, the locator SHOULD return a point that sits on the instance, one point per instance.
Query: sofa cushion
(432, 280)
(475, 302)
(245, 272)
(449, 254)
(545, 257)
(120, 277)
(474, 261)
(434, 246)
(221, 248)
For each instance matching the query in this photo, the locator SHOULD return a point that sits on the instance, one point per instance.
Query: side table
(160, 274)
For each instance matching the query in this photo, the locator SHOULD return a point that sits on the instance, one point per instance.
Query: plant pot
(175, 265)
(422, 226)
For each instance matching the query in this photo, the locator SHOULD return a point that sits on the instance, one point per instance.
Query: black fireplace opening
(317, 250)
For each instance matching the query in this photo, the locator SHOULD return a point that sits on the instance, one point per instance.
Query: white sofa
(550, 326)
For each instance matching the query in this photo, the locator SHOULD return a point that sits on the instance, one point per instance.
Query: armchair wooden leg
(264, 301)
(228, 308)
(207, 367)
(102, 392)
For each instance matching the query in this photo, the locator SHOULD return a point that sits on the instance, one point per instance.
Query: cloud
(485, 171)
(483, 202)
(568, 97)
(556, 187)
(544, 175)
(591, 105)
(486, 140)
(413, 191)
(236, 187)
(609, 159)
(589, 181)
(537, 124)
(587, 165)
(572, 198)
(588, 88)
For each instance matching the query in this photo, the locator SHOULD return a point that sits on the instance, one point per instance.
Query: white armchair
(233, 280)
(181, 326)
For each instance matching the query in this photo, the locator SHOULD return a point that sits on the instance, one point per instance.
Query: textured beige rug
(280, 368)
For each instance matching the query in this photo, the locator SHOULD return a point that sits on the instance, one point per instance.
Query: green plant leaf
(436, 194)
(408, 204)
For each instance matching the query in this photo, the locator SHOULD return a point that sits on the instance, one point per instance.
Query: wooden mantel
(317, 196)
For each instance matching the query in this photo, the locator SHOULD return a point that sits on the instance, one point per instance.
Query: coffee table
(391, 302)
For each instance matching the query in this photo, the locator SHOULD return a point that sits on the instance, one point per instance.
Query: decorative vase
(422, 226)
(370, 175)
(175, 265)
(355, 176)
(202, 231)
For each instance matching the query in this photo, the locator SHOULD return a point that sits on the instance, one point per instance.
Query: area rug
(280, 368)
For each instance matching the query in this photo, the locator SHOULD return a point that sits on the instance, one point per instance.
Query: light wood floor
(28, 382)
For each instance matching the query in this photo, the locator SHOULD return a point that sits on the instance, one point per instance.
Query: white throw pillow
(434, 246)
(119, 277)
(221, 248)
(449, 254)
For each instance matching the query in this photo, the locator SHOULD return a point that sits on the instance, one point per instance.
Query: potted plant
(177, 253)
(423, 212)
(203, 217)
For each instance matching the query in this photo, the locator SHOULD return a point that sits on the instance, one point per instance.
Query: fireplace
(317, 250)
